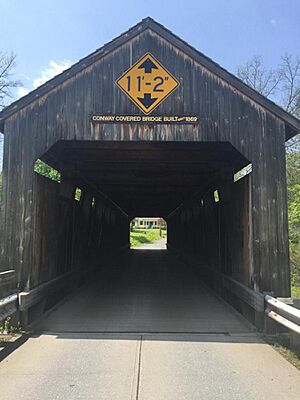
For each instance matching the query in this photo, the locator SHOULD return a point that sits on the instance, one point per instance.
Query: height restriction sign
(147, 83)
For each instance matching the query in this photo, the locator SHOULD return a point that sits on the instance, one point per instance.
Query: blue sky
(63, 31)
(49, 35)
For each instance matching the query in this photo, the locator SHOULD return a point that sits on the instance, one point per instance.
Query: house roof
(292, 123)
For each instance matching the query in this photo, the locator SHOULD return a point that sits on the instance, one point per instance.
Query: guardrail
(275, 309)
(11, 301)
(282, 313)
(8, 295)
(8, 306)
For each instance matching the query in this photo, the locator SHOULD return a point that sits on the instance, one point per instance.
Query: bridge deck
(145, 291)
(89, 353)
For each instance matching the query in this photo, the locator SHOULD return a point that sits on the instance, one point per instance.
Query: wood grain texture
(257, 257)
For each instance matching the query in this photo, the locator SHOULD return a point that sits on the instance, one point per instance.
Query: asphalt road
(147, 329)
(160, 244)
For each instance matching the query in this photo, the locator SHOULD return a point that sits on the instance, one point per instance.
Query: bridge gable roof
(292, 123)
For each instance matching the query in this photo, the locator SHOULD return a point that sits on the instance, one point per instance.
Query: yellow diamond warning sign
(147, 83)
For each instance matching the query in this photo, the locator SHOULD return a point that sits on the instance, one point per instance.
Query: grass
(281, 343)
(138, 237)
(295, 269)
(295, 291)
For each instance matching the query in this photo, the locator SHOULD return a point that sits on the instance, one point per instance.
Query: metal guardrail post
(285, 315)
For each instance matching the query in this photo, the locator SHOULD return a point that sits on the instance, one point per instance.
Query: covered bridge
(145, 126)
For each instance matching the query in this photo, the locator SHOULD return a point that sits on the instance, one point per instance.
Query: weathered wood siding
(226, 115)
(216, 234)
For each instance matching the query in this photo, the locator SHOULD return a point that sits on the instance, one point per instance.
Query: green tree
(44, 169)
(293, 182)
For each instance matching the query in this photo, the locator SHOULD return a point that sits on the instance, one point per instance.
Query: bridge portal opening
(105, 187)
(148, 233)
(92, 213)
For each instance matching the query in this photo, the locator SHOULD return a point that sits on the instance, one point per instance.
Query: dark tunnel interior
(190, 185)
(175, 180)
(147, 178)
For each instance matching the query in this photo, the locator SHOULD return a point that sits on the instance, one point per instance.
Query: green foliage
(293, 185)
(293, 188)
(7, 328)
(78, 194)
(138, 237)
(6, 324)
(45, 170)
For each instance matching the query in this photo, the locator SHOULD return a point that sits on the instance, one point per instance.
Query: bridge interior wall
(216, 233)
(73, 235)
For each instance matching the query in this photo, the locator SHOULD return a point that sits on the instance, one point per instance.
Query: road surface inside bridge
(148, 329)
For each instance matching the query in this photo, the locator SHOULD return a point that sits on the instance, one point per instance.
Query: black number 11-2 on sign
(147, 83)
